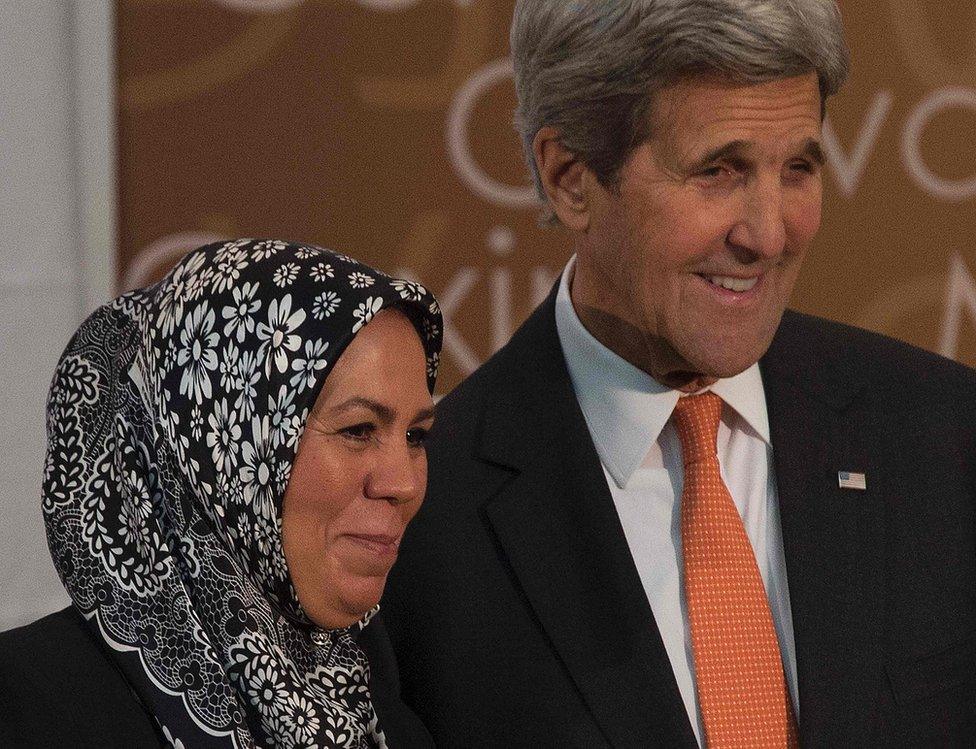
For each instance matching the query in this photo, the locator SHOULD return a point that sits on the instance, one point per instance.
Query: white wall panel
(56, 229)
(38, 230)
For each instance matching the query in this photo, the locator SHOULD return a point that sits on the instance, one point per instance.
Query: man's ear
(565, 179)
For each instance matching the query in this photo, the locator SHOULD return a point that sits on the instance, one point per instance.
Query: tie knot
(696, 418)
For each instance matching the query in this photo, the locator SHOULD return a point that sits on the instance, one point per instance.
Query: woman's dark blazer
(59, 688)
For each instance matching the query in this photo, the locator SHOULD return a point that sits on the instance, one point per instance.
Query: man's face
(687, 268)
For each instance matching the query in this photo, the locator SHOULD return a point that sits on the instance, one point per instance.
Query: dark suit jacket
(59, 688)
(517, 614)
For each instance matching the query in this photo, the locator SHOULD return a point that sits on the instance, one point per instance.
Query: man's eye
(714, 171)
(719, 175)
(417, 436)
(803, 166)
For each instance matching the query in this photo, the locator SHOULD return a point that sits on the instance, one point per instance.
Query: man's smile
(736, 290)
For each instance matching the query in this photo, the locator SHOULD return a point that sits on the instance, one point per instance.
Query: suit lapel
(833, 539)
(557, 526)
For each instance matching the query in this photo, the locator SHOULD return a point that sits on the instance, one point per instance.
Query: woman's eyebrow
(423, 415)
(383, 412)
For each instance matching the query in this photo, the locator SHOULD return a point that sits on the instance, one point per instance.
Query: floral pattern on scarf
(173, 421)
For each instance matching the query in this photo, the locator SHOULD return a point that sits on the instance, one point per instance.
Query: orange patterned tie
(741, 688)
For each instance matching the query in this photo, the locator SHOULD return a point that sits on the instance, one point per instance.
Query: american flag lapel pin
(851, 480)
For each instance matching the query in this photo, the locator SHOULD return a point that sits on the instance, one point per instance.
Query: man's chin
(714, 362)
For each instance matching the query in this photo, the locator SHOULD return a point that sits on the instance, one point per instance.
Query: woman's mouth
(380, 544)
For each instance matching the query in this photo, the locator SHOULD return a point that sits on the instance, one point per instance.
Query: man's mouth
(738, 285)
(733, 287)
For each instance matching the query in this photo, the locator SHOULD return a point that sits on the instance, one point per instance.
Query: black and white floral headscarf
(173, 421)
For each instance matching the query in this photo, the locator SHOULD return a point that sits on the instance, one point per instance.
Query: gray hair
(590, 68)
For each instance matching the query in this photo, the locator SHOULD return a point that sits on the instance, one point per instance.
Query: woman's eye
(359, 432)
(416, 436)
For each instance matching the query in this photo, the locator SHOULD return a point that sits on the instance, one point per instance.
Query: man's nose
(397, 475)
(761, 229)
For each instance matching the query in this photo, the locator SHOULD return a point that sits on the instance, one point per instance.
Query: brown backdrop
(382, 128)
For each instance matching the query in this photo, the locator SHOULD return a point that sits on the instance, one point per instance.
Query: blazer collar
(557, 526)
(805, 358)
(833, 538)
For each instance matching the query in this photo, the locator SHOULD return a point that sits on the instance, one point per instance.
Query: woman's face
(360, 473)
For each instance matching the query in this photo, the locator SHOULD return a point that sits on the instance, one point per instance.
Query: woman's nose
(397, 476)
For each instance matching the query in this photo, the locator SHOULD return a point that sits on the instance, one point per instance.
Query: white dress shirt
(629, 417)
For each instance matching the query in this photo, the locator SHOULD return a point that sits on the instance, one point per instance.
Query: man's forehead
(721, 97)
(720, 112)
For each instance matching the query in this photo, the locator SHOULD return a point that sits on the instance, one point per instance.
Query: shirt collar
(624, 407)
